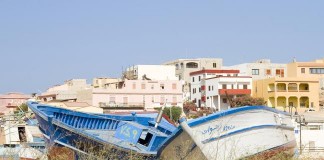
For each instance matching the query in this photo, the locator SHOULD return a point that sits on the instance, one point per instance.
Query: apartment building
(183, 68)
(10, 101)
(214, 88)
(134, 95)
(101, 82)
(261, 69)
(313, 69)
(66, 91)
(297, 93)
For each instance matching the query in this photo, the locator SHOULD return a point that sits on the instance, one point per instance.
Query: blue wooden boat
(87, 133)
(251, 131)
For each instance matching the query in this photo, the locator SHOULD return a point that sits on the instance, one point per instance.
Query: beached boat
(233, 134)
(247, 132)
(111, 135)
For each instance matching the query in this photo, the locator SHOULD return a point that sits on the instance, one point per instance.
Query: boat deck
(109, 136)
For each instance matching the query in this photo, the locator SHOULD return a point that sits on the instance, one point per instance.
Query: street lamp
(302, 122)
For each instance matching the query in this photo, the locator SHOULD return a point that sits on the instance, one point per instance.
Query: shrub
(247, 101)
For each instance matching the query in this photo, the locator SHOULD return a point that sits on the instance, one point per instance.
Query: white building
(213, 88)
(312, 135)
(183, 68)
(261, 69)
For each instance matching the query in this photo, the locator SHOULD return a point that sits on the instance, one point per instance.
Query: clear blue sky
(43, 43)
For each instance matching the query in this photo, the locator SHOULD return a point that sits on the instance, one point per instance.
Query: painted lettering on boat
(128, 132)
(218, 128)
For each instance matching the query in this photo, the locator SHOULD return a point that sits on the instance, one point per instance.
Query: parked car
(310, 110)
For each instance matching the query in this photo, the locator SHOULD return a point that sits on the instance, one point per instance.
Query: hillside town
(296, 87)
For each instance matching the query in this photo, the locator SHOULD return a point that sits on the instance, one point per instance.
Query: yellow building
(289, 92)
(313, 69)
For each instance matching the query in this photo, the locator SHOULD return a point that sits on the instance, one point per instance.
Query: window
(316, 70)
(268, 72)
(162, 99)
(302, 70)
(125, 100)
(224, 86)
(152, 86)
(244, 86)
(143, 86)
(192, 65)
(177, 66)
(280, 72)
(174, 99)
(174, 86)
(152, 98)
(162, 86)
(224, 100)
(194, 90)
(193, 79)
(212, 87)
(199, 78)
(232, 86)
(214, 65)
(199, 89)
(208, 88)
(112, 99)
(255, 71)
(134, 85)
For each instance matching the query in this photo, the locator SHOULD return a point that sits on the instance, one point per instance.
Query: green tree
(247, 101)
(175, 112)
(23, 107)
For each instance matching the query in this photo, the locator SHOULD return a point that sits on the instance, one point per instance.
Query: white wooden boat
(246, 132)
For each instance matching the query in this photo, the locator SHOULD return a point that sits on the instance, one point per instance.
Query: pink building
(213, 88)
(10, 101)
(134, 95)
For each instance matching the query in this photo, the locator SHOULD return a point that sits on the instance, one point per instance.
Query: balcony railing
(234, 91)
(111, 104)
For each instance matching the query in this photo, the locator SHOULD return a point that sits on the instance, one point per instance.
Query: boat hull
(95, 136)
(246, 132)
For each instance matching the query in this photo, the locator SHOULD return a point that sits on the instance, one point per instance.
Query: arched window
(192, 65)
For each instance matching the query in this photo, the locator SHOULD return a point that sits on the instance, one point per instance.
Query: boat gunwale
(232, 111)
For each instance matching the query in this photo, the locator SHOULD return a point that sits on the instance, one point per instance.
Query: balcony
(120, 105)
(234, 91)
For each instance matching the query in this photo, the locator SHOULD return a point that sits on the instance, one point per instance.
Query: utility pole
(302, 122)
